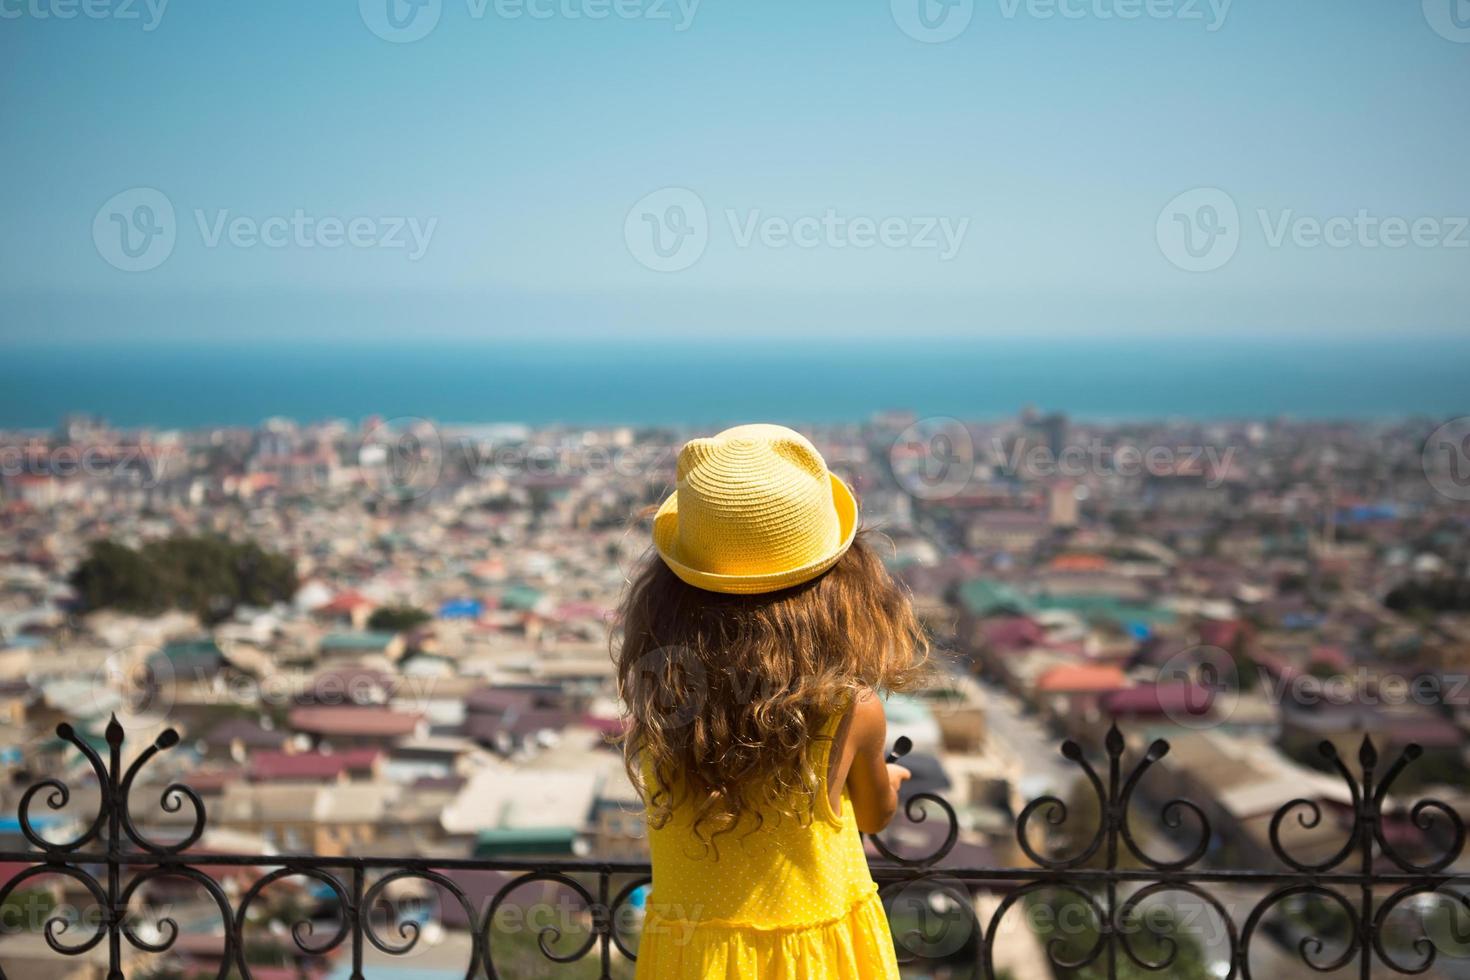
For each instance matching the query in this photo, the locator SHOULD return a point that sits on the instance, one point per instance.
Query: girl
(752, 643)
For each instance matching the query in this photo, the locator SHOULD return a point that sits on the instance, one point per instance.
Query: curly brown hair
(723, 693)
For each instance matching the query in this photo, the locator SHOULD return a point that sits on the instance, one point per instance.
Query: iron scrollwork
(1370, 885)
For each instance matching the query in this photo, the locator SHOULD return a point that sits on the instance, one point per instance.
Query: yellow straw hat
(755, 510)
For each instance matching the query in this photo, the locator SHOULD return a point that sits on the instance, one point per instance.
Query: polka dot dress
(794, 899)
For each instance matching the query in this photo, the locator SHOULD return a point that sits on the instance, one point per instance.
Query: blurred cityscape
(392, 637)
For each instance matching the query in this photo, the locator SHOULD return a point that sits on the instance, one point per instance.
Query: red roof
(346, 602)
(265, 766)
(1078, 563)
(1152, 700)
(353, 720)
(9, 869)
(1081, 679)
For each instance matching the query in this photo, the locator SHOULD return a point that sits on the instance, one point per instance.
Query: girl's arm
(871, 783)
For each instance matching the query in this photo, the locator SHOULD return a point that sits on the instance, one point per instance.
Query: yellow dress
(792, 900)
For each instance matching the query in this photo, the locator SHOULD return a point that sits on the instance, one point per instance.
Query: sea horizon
(170, 385)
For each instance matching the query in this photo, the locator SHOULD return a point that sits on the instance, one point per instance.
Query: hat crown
(746, 444)
(754, 500)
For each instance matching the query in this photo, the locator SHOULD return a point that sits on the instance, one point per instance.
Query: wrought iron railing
(1111, 876)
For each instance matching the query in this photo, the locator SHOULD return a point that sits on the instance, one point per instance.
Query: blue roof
(353, 640)
(11, 825)
(188, 655)
(1363, 513)
(461, 609)
(989, 597)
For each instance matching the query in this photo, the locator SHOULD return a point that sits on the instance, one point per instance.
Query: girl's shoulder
(857, 723)
(868, 721)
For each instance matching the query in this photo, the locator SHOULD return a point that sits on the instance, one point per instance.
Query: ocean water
(602, 382)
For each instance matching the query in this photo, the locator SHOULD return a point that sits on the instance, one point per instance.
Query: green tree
(397, 619)
(209, 576)
(1438, 596)
(27, 910)
(115, 575)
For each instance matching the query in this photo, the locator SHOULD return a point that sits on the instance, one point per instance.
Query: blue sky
(519, 145)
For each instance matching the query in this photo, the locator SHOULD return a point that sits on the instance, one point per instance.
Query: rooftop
(354, 720)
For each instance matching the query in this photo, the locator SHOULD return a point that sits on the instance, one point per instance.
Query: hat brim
(666, 541)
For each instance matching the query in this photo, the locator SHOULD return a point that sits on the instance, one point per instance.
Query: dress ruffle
(856, 946)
